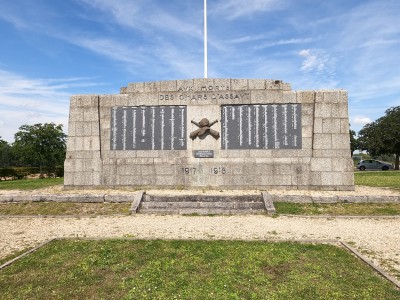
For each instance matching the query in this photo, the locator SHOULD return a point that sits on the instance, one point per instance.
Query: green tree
(40, 145)
(354, 144)
(5, 153)
(383, 136)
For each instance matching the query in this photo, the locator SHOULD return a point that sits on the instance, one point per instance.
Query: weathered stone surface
(136, 202)
(292, 198)
(268, 203)
(325, 199)
(6, 198)
(199, 204)
(322, 162)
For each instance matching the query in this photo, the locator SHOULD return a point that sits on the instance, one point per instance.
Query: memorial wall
(210, 133)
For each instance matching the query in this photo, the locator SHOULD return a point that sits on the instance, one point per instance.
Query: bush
(23, 172)
(14, 173)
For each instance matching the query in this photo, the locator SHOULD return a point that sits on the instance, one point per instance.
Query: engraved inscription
(269, 126)
(190, 88)
(217, 170)
(204, 96)
(148, 128)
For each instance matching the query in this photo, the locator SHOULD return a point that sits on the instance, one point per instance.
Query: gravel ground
(359, 190)
(377, 238)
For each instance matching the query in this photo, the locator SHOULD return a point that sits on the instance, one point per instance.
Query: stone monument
(210, 133)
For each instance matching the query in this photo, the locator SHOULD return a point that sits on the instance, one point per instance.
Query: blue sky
(52, 49)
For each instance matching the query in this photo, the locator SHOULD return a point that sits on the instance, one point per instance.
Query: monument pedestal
(259, 134)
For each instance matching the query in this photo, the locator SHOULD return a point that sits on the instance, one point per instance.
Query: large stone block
(343, 97)
(91, 143)
(333, 153)
(322, 141)
(331, 97)
(68, 176)
(136, 87)
(258, 153)
(341, 141)
(316, 178)
(305, 97)
(307, 109)
(79, 144)
(331, 125)
(348, 179)
(239, 84)
(342, 164)
(323, 110)
(307, 131)
(91, 114)
(152, 87)
(224, 84)
(75, 114)
(168, 86)
(125, 154)
(307, 120)
(83, 178)
(185, 85)
(105, 101)
(332, 178)
(256, 84)
(288, 97)
(282, 180)
(344, 125)
(321, 164)
(204, 84)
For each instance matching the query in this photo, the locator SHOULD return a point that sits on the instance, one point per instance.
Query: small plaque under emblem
(203, 153)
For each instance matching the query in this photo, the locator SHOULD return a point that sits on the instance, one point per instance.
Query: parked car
(372, 164)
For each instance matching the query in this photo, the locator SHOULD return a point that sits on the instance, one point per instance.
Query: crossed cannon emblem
(204, 126)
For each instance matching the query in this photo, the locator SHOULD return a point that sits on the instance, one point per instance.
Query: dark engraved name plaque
(203, 153)
(267, 126)
(148, 128)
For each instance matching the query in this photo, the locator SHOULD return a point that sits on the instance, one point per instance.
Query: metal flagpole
(205, 39)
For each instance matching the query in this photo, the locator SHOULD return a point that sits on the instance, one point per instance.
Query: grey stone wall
(322, 163)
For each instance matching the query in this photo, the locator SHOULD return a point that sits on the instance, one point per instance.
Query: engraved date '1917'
(212, 171)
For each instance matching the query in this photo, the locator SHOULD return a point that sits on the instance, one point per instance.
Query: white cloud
(285, 42)
(377, 90)
(360, 120)
(314, 60)
(233, 9)
(371, 24)
(318, 68)
(29, 101)
(113, 49)
(146, 15)
(13, 119)
(150, 35)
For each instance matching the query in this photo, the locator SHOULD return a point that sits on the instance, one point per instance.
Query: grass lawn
(338, 209)
(30, 184)
(390, 179)
(63, 208)
(137, 269)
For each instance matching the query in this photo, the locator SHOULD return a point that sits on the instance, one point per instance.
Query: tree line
(381, 137)
(39, 145)
(44, 145)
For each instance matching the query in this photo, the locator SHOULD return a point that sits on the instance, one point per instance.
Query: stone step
(201, 198)
(196, 205)
(201, 211)
(201, 204)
